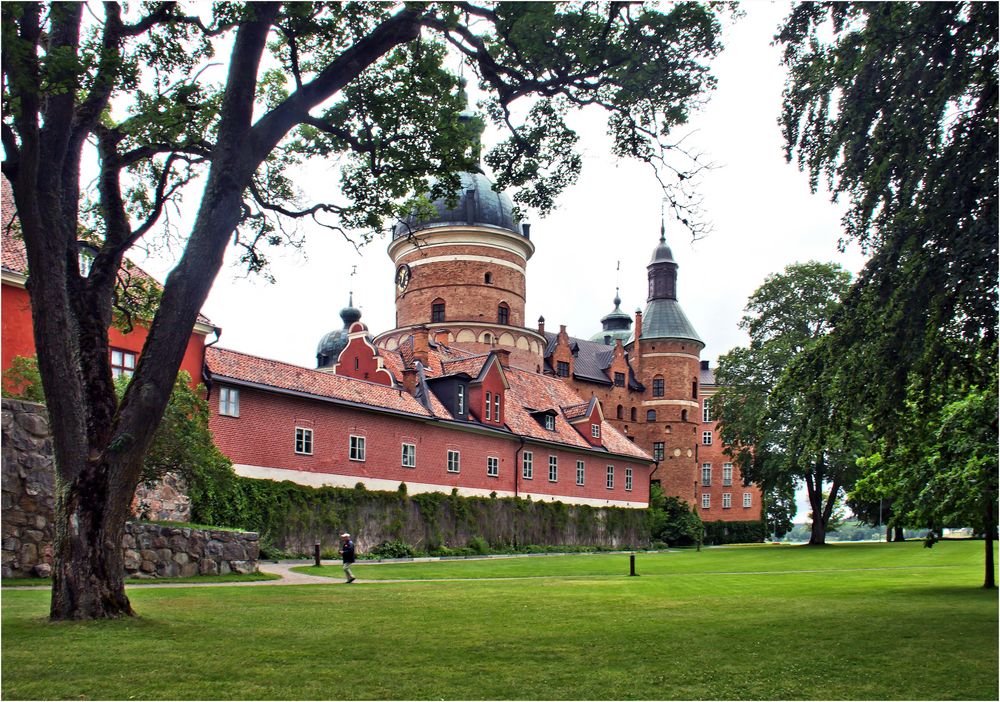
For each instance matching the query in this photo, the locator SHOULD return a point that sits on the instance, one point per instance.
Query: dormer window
(489, 403)
(460, 398)
(595, 431)
(496, 408)
(562, 369)
(550, 422)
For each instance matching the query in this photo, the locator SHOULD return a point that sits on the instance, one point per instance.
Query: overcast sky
(761, 210)
(762, 213)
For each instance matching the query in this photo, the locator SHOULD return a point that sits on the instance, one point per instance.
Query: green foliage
(671, 520)
(894, 105)
(778, 410)
(291, 517)
(720, 532)
(22, 381)
(392, 549)
(183, 445)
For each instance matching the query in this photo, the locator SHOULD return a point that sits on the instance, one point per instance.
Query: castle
(461, 394)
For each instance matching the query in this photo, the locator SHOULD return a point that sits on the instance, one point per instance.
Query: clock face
(402, 276)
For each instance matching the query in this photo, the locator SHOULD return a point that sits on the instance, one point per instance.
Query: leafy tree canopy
(776, 393)
(894, 107)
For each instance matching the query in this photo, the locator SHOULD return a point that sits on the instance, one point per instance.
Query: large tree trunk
(897, 534)
(989, 536)
(88, 580)
(814, 488)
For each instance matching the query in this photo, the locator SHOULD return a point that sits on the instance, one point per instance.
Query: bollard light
(316, 554)
(631, 564)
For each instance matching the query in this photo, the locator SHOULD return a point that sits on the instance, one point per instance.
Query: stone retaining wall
(151, 550)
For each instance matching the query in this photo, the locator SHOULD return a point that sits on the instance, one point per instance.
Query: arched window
(694, 389)
(503, 313)
(437, 310)
(489, 279)
(650, 415)
(632, 414)
(621, 412)
(684, 415)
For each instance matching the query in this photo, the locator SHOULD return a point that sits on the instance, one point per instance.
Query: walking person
(347, 554)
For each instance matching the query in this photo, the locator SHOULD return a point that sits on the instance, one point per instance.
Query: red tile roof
(225, 363)
(576, 411)
(472, 366)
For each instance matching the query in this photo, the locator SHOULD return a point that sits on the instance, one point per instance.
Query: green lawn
(878, 621)
(195, 579)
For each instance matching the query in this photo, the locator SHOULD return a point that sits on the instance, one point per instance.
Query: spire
(350, 314)
(662, 270)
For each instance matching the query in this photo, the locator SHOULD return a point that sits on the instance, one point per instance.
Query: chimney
(420, 346)
(410, 380)
(704, 365)
(440, 337)
(638, 324)
(541, 326)
(503, 355)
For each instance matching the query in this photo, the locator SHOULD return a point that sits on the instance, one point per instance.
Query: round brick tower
(461, 273)
(666, 350)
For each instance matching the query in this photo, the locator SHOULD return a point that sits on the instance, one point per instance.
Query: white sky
(762, 212)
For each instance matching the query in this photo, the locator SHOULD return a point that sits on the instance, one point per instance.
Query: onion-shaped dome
(330, 346)
(662, 253)
(477, 204)
(615, 325)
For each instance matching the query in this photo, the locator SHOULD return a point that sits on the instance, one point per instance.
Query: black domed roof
(329, 347)
(477, 204)
(662, 253)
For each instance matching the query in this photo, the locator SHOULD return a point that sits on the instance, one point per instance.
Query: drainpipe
(517, 476)
(205, 376)
(517, 466)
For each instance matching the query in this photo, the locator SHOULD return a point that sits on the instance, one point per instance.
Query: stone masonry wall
(151, 550)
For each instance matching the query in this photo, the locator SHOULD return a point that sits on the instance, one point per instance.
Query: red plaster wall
(18, 338)
(264, 435)
(359, 350)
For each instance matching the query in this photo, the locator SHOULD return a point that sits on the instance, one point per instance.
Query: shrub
(392, 549)
(477, 544)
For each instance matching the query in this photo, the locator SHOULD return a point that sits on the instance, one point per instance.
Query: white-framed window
(727, 474)
(409, 455)
(122, 363)
(550, 422)
(454, 461)
(628, 479)
(357, 448)
(303, 441)
(496, 407)
(489, 405)
(746, 499)
(579, 472)
(611, 477)
(595, 431)
(461, 399)
(492, 466)
(706, 501)
(229, 402)
(727, 500)
(706, 410)
(658, 450)
(553, 469)
(527, 469)
(706, 438)
(706, 474)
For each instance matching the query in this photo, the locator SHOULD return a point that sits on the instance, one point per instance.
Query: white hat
(345, 535)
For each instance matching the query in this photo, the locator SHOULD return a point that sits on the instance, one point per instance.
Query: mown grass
(194, 579)
(881, 622)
